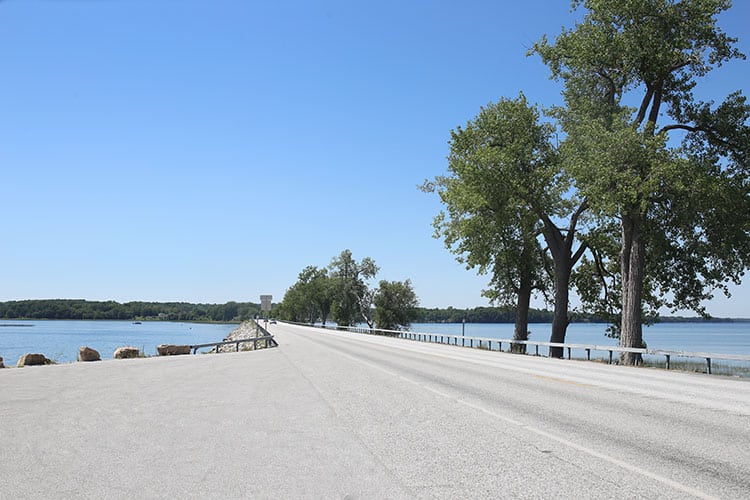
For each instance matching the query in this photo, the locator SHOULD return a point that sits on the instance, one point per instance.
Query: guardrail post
(708, 363)
(610, 357)
(489, 342)
(237, 346)
(588, 354)
(668, 356)
(537, 349)
(471, 343)
(568, 352)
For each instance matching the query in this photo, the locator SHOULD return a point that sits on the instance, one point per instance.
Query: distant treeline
(507, 315)
(241, 311)
(478, 315)
(167, 311)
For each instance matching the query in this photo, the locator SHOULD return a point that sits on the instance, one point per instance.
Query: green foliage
(478, 315)
(501, 169)
(395, 305)
(352, 298)
(684, 211)
(505, 195)
(310, 298)
(342, 289)
(111, 310)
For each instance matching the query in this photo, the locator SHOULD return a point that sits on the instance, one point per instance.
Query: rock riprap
(246, 330)
(88, 354)
(32, 359)
(126, 352)
(172, 350)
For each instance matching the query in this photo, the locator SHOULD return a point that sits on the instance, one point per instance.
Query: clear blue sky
(207, 151)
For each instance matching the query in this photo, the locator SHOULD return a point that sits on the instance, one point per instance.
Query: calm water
(60, 340)
(725, 338)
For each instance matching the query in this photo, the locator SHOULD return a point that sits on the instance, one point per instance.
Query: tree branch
(680, 65)
(612, 87)
(710, 133)
(576, 215)
(644, 104)
(655, 105)
(579, 253)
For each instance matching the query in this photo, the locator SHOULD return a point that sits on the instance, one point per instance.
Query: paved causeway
(340, 415)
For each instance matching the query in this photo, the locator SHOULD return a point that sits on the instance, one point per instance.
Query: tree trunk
(522, 316)
(632, 261)
(560, 320)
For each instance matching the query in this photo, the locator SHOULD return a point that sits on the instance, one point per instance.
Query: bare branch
(579, 253)
(655, 105)
(712, 136)
(644, 105)
(612, 87)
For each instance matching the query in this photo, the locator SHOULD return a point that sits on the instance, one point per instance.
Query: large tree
(310, 298)
(683, 210)
(395, 305)
(504, 190)
(352, 295)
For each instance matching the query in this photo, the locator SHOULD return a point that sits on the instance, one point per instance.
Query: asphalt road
(339, 415)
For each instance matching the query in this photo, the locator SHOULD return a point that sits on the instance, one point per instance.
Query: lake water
(60, 340)
(724, 338)
(715, 338)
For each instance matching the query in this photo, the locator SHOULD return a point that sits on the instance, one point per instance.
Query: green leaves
(395, 305)
(501, 171)
(686, 205)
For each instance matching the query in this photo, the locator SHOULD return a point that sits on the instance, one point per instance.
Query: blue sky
(207, 151)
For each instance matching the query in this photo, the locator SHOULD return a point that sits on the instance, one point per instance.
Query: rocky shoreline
(246, 330)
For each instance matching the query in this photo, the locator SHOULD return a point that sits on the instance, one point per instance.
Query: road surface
(339, 415)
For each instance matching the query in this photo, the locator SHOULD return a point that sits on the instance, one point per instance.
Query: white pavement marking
(583, 449)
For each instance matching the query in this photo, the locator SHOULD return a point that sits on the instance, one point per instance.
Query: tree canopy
(683, 207)
(344, 290)
(395, 305)
(658, 178)
(505, 195)
(87, 309)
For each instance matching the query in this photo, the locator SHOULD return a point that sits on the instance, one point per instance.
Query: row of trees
(633, 192)
(342, 292)
(479, 315)
(168, 311)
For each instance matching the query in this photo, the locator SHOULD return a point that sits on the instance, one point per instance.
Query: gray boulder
(88, 354)
(32, 360)
(172, 350)
(126, 352)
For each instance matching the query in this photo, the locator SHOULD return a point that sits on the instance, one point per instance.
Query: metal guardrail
(262, 330)
(433, 337)
(254, 340)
